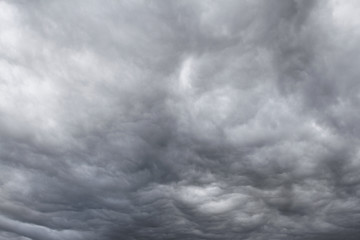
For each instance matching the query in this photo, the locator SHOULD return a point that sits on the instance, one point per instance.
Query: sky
(179, 119)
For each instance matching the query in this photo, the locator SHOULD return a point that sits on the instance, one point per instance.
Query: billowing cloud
(179, 120)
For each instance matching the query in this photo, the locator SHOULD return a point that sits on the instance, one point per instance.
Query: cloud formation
(179, 120)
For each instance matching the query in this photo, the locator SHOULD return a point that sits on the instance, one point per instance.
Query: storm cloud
(183, 119)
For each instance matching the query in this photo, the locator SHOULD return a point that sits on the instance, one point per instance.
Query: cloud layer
(179, 120)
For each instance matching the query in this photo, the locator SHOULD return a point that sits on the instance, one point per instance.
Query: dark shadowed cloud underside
(179, 120)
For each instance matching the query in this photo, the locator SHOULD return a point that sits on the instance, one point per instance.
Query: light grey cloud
(179, 120)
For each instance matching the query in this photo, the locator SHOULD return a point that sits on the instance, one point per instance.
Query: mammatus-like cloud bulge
(184, 119)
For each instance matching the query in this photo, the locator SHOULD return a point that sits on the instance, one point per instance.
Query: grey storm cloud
(180, 119)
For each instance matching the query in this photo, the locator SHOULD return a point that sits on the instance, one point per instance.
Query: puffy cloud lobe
(179, 120)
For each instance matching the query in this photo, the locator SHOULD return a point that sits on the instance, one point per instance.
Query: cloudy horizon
(189, 119)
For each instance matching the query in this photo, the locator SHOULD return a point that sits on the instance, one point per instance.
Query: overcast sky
(179, 120)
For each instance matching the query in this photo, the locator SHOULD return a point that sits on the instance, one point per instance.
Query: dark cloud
(179, 120)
